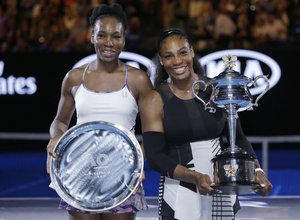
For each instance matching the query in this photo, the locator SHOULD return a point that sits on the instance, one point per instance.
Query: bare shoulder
(74, 76)
(152, 112)
(139, 82)
(153, 100)
(72, 80)
(138, 74)
(153, 96)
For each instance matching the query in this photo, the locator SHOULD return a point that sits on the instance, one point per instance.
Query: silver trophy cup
(234, 168)
(98, 166)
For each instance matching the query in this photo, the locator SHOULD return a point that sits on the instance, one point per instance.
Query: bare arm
(151, 112)
(65, 110)
(140, 85)
(262, 180)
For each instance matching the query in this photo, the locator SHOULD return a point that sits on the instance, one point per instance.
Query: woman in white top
(103, 90)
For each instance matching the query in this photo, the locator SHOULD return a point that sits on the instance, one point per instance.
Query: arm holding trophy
(182, 135)
(96, 166)
(236, 168)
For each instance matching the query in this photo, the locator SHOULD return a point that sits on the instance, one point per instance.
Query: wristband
(259, 169)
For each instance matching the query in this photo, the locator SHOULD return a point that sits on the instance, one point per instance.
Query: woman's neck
(109, 67)
(183, 88)
(183, 85)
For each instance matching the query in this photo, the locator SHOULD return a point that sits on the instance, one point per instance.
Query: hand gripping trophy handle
(208, 104)
(234, 167)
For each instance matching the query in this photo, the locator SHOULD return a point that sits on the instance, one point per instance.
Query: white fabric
(118, 107)
(191, 205)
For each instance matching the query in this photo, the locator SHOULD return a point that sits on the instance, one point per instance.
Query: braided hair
(114, 10)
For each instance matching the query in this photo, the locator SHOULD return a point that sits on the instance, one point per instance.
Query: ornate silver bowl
(98, 165)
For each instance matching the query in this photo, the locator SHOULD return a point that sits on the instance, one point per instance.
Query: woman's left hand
(141, 180)
(265, 185)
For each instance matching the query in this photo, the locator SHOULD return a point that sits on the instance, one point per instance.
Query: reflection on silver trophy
(97, 167)
(234, 168)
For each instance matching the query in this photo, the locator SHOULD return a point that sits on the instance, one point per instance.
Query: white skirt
(188, 204)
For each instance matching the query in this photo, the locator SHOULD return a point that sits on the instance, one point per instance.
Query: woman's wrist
(259, 169)
(52, 143)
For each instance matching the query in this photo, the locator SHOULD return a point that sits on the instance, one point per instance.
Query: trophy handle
(206, 104)
(265, 90)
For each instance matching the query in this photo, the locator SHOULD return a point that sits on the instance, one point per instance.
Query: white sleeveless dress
(116, 107)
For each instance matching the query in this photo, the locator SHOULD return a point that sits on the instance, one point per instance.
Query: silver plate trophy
(234, 168)
(97, 167)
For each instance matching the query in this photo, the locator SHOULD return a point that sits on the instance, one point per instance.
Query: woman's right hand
(51, 151)
(204, 184)
(201, 180)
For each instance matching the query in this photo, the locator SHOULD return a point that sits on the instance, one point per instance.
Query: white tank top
(117, 107)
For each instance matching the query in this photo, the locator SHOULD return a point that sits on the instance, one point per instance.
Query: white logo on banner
(133, 59)
(214, 65)
(253, 66)
(12, 85)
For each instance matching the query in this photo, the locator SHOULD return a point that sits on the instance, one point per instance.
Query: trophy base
(236, 189)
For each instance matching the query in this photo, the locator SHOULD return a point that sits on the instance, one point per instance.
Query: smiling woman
(104, 89)
(108, 38)
(132, 59)
(181, 137)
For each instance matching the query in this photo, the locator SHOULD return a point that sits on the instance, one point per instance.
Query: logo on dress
(124, 94)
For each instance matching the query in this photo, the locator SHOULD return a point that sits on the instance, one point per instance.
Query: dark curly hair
(114, 10)
(160, 73)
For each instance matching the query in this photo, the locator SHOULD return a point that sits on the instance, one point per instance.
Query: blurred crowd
(62, 25)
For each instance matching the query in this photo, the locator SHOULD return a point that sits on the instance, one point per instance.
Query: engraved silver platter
(98, 165)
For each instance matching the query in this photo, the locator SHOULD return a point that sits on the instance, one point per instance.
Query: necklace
(175, 90)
